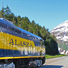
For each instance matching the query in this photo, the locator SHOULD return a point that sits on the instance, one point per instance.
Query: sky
(48, 13)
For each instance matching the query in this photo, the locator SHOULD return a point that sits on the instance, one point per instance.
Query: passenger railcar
(19, 46)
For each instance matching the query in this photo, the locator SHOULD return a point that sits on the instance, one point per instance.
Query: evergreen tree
(2, 13)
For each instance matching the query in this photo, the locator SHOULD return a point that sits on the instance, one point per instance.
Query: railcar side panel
(16, 46)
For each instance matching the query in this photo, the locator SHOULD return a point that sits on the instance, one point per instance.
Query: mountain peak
(61, 31)
(64, 24)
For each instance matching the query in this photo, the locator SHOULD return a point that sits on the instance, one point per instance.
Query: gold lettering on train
(21, 43)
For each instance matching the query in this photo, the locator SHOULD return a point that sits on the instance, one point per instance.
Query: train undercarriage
(22, 63)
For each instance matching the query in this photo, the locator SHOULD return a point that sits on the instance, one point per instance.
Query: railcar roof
(11, 24)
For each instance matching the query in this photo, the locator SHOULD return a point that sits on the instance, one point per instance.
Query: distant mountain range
(61, 33)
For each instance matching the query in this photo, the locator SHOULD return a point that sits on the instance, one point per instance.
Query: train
(19, 48)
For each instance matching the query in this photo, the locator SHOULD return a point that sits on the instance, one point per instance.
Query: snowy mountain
(61, 31)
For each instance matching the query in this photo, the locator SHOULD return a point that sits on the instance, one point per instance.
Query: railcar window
(17, 31)
(25, 35)
(31, 37)
(28, 35)
(11, 28)
(3, 25)
(37, 43)
(22, 33)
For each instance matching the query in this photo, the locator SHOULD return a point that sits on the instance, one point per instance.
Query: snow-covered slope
(61, 31)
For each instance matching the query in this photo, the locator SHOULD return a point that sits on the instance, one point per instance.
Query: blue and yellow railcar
(19, 46)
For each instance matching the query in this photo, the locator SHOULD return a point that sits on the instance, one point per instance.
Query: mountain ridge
(61, 34)
(61, 31)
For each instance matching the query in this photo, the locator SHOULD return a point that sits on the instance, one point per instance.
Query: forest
(31, 26)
